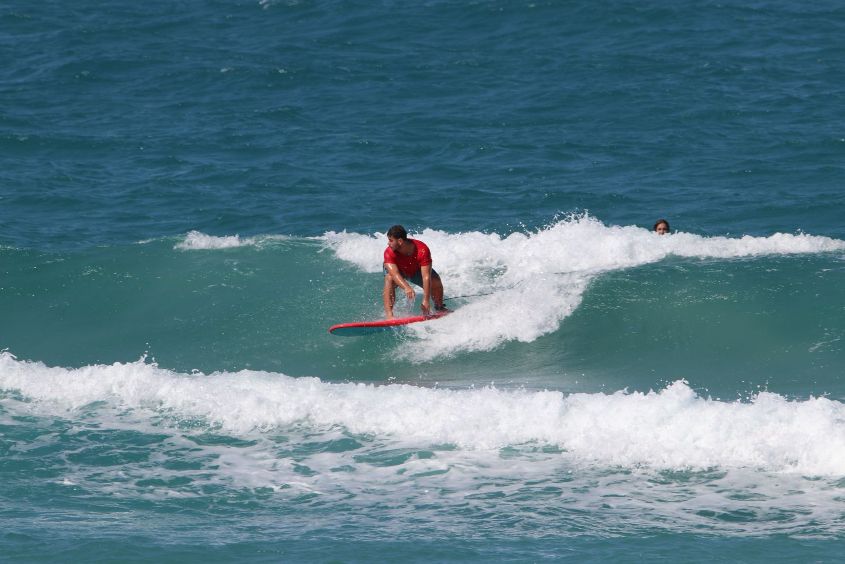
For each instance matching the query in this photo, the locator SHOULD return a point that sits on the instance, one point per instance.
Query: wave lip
(672, 428)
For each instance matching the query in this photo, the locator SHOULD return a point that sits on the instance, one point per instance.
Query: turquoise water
(190, 195)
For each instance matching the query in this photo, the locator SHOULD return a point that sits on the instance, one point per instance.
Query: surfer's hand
(409, 293)
(425, 307)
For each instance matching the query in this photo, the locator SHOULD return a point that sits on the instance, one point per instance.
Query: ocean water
(192, 193)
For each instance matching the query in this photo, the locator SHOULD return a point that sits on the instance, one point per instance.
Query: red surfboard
(369, 327)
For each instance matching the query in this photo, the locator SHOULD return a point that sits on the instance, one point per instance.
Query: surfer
(409, 260)
(662, 227)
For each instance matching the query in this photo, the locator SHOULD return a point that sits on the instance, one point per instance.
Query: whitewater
(671, 428)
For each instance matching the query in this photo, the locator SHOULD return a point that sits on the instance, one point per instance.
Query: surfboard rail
(356, 328)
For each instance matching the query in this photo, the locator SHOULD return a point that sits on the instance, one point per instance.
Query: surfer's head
(396, 235)
(662, 227)
(397, 232)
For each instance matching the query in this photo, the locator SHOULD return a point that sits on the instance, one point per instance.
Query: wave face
(579, 306)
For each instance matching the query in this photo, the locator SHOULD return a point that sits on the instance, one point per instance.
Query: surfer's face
(662, 228)
(394, 244)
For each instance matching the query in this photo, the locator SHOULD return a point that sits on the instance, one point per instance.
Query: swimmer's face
(662, 229)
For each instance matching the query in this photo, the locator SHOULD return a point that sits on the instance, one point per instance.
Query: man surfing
(409, 260)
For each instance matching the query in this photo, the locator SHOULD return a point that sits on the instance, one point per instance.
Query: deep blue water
(192, 193)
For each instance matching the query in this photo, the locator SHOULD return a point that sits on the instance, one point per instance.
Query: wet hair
(659, 221)
(397, 232)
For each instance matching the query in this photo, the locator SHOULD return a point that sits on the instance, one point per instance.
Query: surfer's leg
(389, 296)
(436, 287)
(437, 290)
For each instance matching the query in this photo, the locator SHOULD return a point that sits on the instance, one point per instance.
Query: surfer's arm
(394, 278)
(425, 271)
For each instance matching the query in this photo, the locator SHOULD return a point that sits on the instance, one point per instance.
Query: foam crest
(532, 281)
(669, 429)
(575, 244)
(197, 241)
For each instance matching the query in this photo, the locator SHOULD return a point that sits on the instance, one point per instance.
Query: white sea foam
(535, 280)
(671, 428)
(197, 241)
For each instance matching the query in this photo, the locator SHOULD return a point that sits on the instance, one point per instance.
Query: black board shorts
(417, 277)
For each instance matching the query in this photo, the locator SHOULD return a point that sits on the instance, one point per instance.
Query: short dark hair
(659, 221)
(397, 232)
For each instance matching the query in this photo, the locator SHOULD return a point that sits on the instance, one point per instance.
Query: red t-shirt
(409, 265)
